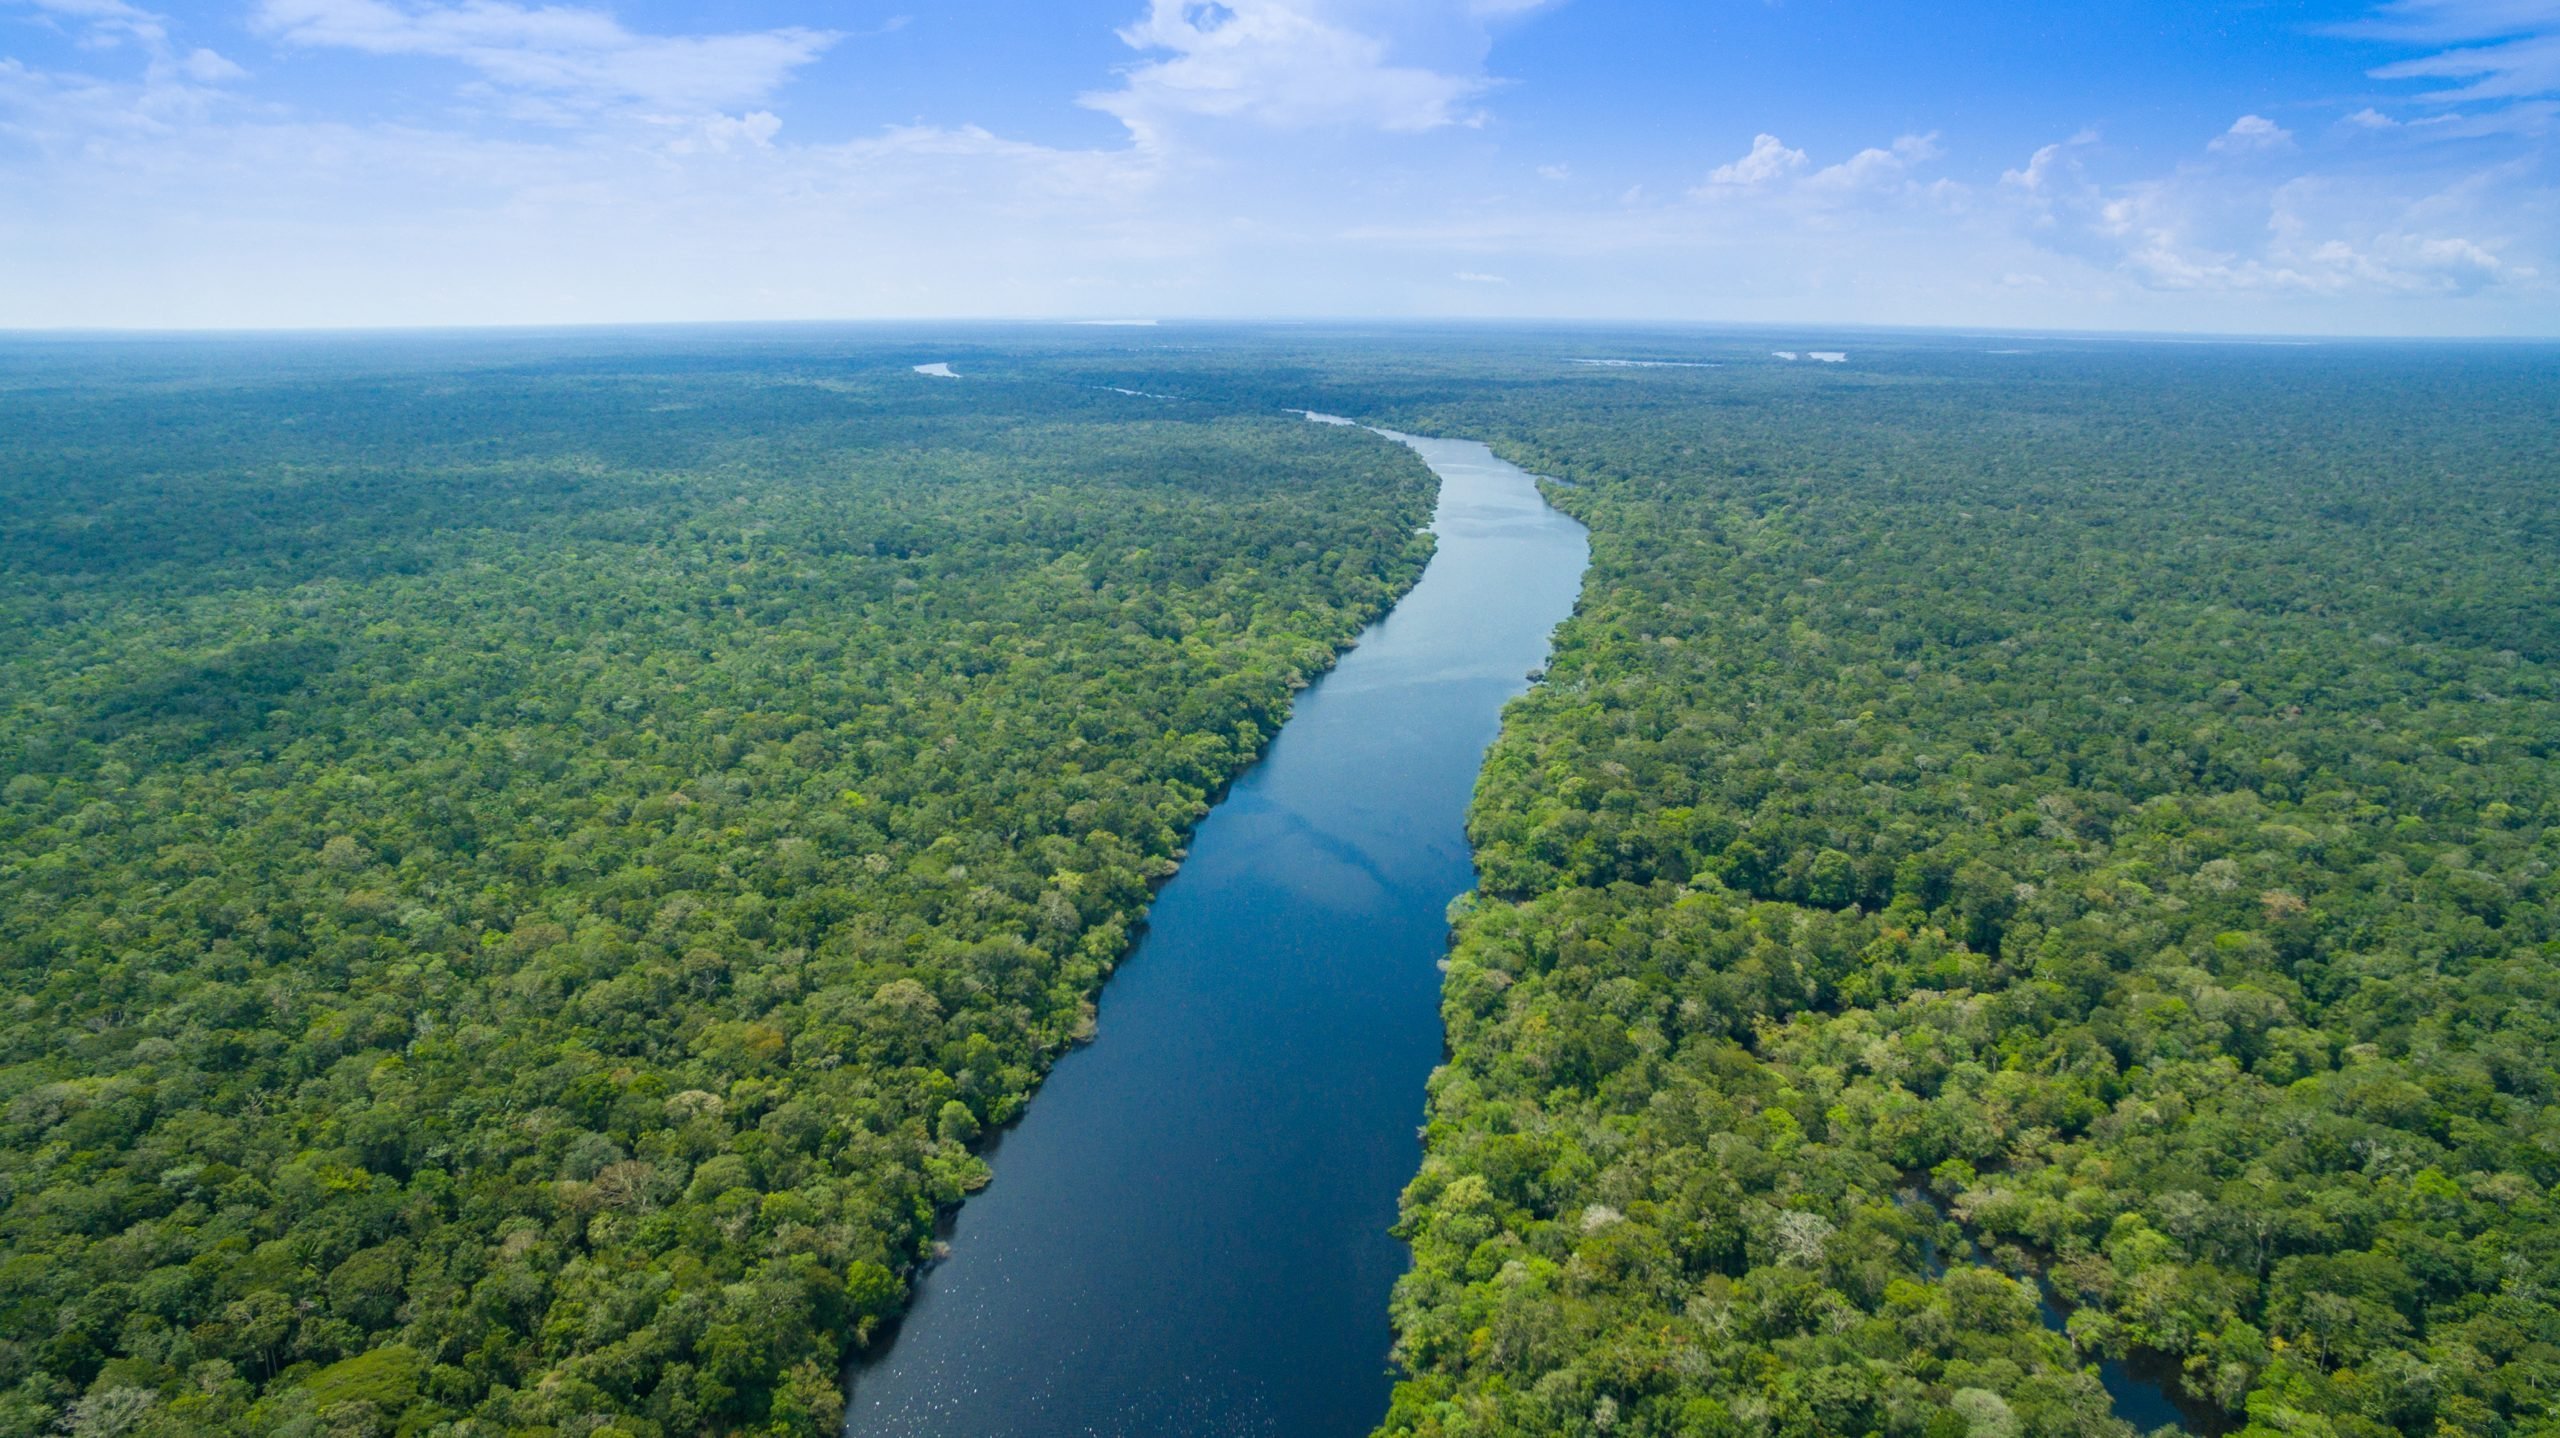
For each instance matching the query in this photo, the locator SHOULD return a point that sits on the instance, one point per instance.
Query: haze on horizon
(2365, 168)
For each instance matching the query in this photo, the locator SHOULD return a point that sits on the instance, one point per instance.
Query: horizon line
(502, 329)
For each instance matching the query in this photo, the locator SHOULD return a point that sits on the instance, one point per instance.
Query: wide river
(1188, 1229)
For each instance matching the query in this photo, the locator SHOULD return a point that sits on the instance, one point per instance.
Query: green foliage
(520, 882)
(2115, 792)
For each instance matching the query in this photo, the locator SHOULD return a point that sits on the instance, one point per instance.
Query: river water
(1188, 1229)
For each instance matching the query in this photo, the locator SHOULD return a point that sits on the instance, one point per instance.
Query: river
(1188, 1229)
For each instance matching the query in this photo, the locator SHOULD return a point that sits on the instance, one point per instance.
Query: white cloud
(565, 56)
(1301, 64)
(2213, 227)
(2252, 135)
(1769, 159)
(2051, 167)
(2370, 118)
(208, 68)
(2529, 119)
(167, 201)
(106, 22)
(2512, 70)
(1773, 172)
(61, 113)
(1871, 168)
(244, 217)
(179, 193)
(2447, 21)
(717, 133)
(111, 24)
(2502, 51)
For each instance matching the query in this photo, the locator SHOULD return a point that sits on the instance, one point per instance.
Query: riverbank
(1189, 1230)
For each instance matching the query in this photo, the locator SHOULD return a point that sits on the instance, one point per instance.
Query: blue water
(1188, 1230)
(2143, 1401)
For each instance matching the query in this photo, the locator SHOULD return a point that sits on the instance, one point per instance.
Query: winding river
(1188, 1229)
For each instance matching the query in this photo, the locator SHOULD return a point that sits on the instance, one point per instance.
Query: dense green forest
(2080, 818)
(521, 881)
(2010, 821)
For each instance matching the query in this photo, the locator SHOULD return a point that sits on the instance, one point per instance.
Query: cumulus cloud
(719, 133)
(2051, 166)
(1396, 65)
(1773, 171)
(581, 59)
(1769, 159)
(2252, 135)
(1870, 168)
(2211, 226)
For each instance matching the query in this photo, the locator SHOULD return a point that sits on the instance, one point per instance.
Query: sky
(2376, 167)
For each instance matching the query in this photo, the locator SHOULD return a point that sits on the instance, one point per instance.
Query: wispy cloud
(2437, 21)
(112, 24)
(104, 22)
(169, 202)
(2500, 50)
(2514, 70)
(583, 59)
(1301, 64)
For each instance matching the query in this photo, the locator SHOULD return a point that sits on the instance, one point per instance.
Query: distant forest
(2028, 877)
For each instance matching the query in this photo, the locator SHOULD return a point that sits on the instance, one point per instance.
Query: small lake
(1188, 1229)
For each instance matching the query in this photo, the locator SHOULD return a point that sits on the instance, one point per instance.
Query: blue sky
(2380, 167)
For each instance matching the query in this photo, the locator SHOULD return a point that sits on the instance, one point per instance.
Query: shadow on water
(1188, 1231)
(2141, 1387)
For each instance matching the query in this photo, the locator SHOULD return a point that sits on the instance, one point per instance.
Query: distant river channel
(1188, 1229)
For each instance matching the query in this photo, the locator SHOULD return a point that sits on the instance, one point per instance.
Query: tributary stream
(1188, 1231)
